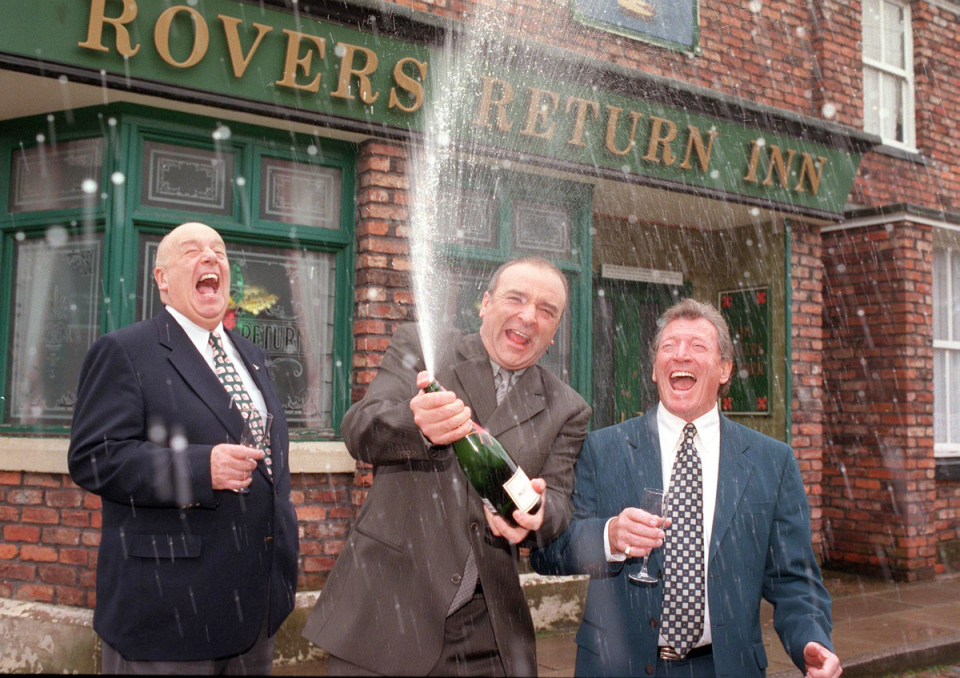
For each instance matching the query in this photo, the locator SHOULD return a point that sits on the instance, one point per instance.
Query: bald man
(197, 566)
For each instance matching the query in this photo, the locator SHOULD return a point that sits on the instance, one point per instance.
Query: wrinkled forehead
(689, 328)
(532, 280)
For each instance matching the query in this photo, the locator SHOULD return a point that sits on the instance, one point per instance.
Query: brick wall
(324, 514)
(50, 534)
(807, 354)
(383, 295)
(879, 490)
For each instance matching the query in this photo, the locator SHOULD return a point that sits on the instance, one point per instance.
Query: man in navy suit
(193, 576)
(737, 530)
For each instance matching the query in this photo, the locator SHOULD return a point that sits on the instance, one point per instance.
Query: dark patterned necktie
(682, 615)
(233, 384)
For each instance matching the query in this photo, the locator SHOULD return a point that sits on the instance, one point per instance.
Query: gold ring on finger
(627, 551)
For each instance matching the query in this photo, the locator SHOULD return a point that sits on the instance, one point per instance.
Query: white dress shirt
(200, 338)
(707, 442)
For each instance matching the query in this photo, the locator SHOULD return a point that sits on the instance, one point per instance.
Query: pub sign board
(669, 23)
(747, 312)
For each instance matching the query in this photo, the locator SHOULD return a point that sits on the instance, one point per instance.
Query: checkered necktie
(233, 384)
(682, 615)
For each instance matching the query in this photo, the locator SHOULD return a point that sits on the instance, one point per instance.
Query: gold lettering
(98, 18)
(295, 62)
(810, 172)
(782, 167)
(347, 69)
(408, 84)
(613, 118)
(580, 121)
(695, 142)
(487, 102)
(201, 36)
(538, 113)
(237, 59)
(754, 161)
(657, 139)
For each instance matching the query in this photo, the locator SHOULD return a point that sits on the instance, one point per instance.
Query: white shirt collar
(199, 336)
(671, 427)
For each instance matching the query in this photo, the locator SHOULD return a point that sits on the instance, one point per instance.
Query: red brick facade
(879, 490)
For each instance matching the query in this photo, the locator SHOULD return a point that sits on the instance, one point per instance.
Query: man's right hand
(442, 417)
(231, 466)
(636, 532)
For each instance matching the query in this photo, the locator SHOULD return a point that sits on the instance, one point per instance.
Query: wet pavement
(880, 629)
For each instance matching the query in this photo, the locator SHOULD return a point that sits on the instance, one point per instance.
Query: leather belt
(668, 654)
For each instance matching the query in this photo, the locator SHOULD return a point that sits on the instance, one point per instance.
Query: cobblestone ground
(933, 672)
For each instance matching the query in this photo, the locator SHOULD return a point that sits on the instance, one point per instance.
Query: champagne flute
(652, 502)
(258, 440)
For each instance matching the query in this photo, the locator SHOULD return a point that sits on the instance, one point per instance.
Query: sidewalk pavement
(878, 627)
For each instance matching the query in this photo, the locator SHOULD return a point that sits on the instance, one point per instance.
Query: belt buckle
(668, 654)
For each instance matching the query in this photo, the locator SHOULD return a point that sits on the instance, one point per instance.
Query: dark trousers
(257, 661)
(469, 647)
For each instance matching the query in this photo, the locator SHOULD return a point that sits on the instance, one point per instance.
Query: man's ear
(161, 277)
(484, 303)
(726, 368)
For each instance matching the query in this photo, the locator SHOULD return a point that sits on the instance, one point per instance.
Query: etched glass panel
(56, 316)
(475, 222)
(48, 177)
(283, 300)
(542, 228)
(462, 308)
(297, 193)
(185, 178)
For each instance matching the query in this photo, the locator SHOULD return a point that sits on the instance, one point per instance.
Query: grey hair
(691, 309)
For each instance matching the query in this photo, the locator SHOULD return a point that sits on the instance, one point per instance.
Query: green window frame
(126, 222)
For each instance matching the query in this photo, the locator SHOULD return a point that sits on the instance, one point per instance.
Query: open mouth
(517, 338)
(208, 284)
(682, 381)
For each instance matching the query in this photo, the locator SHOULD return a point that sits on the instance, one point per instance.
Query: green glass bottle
(501, 484)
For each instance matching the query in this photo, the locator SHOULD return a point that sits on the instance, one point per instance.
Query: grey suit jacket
(384, 604)
(759, 548)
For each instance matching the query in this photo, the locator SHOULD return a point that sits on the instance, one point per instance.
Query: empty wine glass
(652, 503)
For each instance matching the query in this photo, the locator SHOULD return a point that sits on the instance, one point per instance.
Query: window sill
(49, 455)
(948, 468)
(903, 154)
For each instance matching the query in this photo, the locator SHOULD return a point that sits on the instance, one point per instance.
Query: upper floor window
(946, 351)
(888, 72)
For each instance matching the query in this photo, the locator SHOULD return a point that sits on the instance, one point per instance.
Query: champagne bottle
(501, 484)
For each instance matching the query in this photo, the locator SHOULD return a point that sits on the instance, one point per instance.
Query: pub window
(946, 351)
(888, 101)
(506, 215)
(82, 216)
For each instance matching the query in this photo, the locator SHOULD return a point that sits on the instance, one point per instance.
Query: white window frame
(905, 74)
(947, 449)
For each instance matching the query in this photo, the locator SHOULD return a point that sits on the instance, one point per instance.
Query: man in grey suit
(738, 529)
(427, 581)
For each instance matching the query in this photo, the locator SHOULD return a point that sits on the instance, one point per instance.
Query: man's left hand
(528, 523)
(820, 662)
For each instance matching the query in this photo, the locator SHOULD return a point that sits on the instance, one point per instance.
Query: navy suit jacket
(183, 571)
(759, 548)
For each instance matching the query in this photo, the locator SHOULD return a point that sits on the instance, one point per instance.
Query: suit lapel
(476, 377)
(733, 475)
(524, 401)
(197, 374)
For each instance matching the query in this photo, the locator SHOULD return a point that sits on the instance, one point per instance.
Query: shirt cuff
(611, 557)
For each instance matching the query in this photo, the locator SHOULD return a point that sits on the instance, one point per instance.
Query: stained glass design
(297, 193)
(185, 178)
(53, 177)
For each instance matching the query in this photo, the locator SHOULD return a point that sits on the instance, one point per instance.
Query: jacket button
(475, 527)
(456, 579)
(268, 540)
(649, 669)
(653, 622)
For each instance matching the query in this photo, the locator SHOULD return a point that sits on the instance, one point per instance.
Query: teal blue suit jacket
(760, 548)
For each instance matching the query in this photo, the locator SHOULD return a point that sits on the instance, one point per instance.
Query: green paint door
(625, 323)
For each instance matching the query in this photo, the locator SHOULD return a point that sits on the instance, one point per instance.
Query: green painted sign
(747, 313)
(529, 105)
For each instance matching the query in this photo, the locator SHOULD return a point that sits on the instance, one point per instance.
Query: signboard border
(692, 49)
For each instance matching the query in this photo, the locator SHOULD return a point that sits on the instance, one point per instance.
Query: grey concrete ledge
(49, 455)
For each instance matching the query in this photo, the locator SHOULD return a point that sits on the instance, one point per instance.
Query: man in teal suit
(737, 529)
